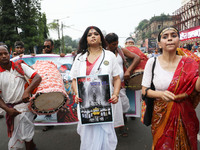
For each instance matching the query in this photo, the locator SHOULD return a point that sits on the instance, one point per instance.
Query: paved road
(66, 137)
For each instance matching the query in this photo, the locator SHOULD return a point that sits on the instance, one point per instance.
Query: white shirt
(109, 65)
(12, 83)
(120, 61)
(100, 136)
(162, 78)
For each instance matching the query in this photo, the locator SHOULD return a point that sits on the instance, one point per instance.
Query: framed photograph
(95, 92)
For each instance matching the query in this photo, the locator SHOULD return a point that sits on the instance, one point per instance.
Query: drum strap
(19, 69)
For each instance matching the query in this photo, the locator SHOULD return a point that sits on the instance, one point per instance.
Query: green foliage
(53, 25)
(57, 45)
(145, 23)
(22, 20)
(148, 34)
(70, 44)
(142, 25)
(69, 49)
(8, 28)
(42, 27)
(162, 17)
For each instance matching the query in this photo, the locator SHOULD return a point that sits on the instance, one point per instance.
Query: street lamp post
(59, 34)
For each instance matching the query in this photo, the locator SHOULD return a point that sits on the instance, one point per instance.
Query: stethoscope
(100, 62)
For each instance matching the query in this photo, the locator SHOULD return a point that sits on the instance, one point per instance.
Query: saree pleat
(175, 124)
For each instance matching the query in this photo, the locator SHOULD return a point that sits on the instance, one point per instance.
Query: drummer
(14, 100)
(130, 45)
(123, 104)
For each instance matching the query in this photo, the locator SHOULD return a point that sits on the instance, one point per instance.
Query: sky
(118, 16)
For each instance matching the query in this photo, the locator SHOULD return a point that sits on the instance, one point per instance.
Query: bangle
(144, 96)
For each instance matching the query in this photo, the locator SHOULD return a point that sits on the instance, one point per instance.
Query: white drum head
(49, 101)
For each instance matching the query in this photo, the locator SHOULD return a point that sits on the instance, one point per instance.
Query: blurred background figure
(197, 52)
(193, 49)
(123, 104)
(149, 55)
(156, 53)
(19, 49)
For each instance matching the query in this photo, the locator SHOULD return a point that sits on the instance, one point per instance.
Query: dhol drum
(134, 83)
(50, 95)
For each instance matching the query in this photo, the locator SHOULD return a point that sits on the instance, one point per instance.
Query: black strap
(153, 67)
(152, 85)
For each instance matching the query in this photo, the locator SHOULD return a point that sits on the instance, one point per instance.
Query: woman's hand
(113, 99)
(77, 99)
(167, 96)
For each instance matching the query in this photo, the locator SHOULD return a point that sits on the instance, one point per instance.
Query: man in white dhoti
(14, 100)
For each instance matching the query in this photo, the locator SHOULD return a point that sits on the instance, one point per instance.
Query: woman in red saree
(174, 122)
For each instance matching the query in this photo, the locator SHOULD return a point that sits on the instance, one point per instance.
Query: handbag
(148, 103)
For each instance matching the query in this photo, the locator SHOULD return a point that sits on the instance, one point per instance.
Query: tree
(162, 17)
(29, 20)
(55, 26)
(43, 32)
(142, 25)
(22, 20)
(43, 29)
(57, 45)
(8, 28)
(70, 44)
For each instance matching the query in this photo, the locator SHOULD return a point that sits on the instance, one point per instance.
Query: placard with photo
(95, 92)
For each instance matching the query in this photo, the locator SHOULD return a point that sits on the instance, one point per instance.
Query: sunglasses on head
(46, 46)
(4, 46)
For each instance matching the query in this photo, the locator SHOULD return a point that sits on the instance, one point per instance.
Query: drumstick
(180, 96)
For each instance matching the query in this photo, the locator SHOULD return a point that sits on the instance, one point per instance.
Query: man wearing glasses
(48, 47)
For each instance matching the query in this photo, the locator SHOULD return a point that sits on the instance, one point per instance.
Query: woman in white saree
(93, 59)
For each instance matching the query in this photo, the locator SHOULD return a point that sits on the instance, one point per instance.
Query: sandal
(47, 128)
(123, 132)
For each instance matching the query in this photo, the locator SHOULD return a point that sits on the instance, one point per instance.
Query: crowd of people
(176, 79)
